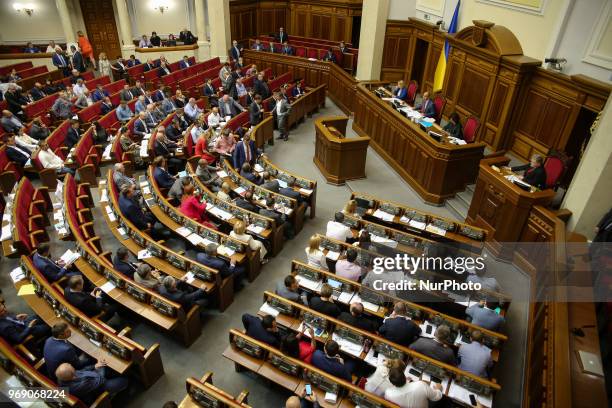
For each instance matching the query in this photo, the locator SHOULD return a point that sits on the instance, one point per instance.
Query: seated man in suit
(133, 61)
(37, 92)
(324, 302)
(210, 259)
(329, 360)
(87, 384)
(289, 288)
(16, 328)
(269, 182)
(163, 70)
(209, 88)
(121, 262)
(183, 295)
(426, 107)
(120, 68)
(149, 65)
(400, 91)
(247, 172)
(140, 105)
(99, 93)
(290, 192)
(51, 270)
(106, 106)
(263, 329)
(258, 46)
(161, 175)
(436, 348)
(91, 304)
(167, 104)
(399, 328)
(140, 126)
(15, 153)
(123, 112)
(330, 56)
(356, 318)
(280, 219)
(475, 357)
(49, 160)
(10, 122)
(287, 49)
(133, 212)
(261, 87)
(207, 174)
(184, 63)
(297, 89)
(245, 202)
(74, 134)
(173, 130)
(176, 191)
(535, 174)
(138, 89)
(229, 107)
(126, 93)
(245, 152)
(58, 350)
(481, 315)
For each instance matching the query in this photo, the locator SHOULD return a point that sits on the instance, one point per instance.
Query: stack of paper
(459, 393)
(17, 274)
(345, 297)
(107, 287)
(385, 241)
(370, 359)
(435, 230)
(104, 196)
(267, 309)
(69, 257)
(385, 216)
(417, 224)
(122, 232)
(256, 229)
(282, 183)
(107, 152)
(182, 231)
(404, 219)
(144, 254)
(348, 346)
(195, 239)
(146, 190)
(330, 396)
(189, 277)
(370, 306)
(143, 149)
(222, 174)
(224, 215)
(258, 168)
(305, 191)
(309, 284)
(239, 190)
(332, 255)
(225, 251)
(7, 232)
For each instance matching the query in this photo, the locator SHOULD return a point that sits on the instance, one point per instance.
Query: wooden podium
(337, 157)
(502, 208)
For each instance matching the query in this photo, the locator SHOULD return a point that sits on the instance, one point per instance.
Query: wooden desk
(434, 169)
(339, 158)
(502, 208)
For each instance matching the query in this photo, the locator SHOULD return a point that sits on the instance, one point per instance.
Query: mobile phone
(414, 372)
(308, 389)
(436, 379)
(498, 310)
(473, 399)
(428, 329)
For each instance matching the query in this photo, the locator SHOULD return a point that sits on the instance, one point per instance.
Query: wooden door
(101, 27)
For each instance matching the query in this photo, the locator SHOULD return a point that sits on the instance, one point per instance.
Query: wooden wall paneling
(99, 20)
(398, 49)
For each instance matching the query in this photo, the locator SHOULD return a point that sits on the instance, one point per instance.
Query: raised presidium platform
(436, 166)
(337, 157)
(502, 205)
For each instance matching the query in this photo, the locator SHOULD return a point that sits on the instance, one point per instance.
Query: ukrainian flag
(441, 68)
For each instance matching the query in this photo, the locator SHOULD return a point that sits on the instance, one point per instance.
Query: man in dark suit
(289, 191)
(138, 89)
(149, 65)
(160, 93)
(173, 130)
(356, 318)
(77, 59)
(329, 360)
(245, 202)
(270, 183)
(91, 304)
(330, 56)
(263, 329)
(281, 112)
(535, 174)
(229, 107)
(163, 70)
(52, 270)
(182, 296)
(281, 36)
(16, 328)
(184, 63)
(15, 101)
(140, 126)
(99, 93)
(73, 135)
(436, 348)
(343, 48)
(126, 93)
(256, 111)
(106, 106)
(426, 107)
(121, 263)
(132, 211)
(161, 175)
(15, 153)
(398, 328)
(245, 152)
(60, 61)
(258, 46)
(87, 384)
(37, 91)
(58, 350)
(133, 61)
(236, 51)
(187, 37)
(209, 258)
(247, 172)
(261, 86)
(120, 67)
(287, 49)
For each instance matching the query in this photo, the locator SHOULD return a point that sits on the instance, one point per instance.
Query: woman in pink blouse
(226, 143)
(192, 208)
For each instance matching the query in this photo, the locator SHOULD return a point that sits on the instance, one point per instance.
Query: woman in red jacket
(192, 208)
(201, 148)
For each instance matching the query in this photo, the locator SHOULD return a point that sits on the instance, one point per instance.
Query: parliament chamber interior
(291, 203)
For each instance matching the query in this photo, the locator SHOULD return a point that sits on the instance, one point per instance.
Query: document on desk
(345, 297)
(348, 346)
(370, 359)
(305, 191)
(309, 284)
(385, 216)
(146, 190)
(222, 174)
(7, 232)
(104, 197)
(69, 257)
(427, 329)
(183, 231)
(107, 287)
(144, 254)
(382, 240)
(435, 230)
(258, 168)
(282, 183)
(269, 310)
(240, 190)
(256, 229)
(370, 306)
(332, 255)
(459, 393)
(225, 251)
(112, 217)
(17, 274)
(224, 215)
(195, 239)
(189, 277)
(122, 232)
(143, 149)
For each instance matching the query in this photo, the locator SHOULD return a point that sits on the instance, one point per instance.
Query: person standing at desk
(453, 127)
(535, 174)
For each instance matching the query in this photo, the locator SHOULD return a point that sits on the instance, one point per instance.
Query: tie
(424, 106)
(151, 118)
(247, 151)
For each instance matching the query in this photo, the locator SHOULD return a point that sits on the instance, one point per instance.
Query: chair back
(470, 128)
(439, 103)
(412, 91)
(555, 168)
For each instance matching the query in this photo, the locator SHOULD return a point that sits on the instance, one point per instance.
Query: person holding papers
(239, 232)
(411, 394)
(398, 327)
(315, 256)
(53, 270)
(226, 143)
(91, 304)
(201, 147)
(338, 231)
(453, 127)
(378, 382)
(192, 208)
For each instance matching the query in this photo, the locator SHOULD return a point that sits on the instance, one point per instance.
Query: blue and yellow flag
(441, 68)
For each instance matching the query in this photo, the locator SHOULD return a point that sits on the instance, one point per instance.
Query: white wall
(145, 19)
(402, 9)
(573, 43)
(20, 28)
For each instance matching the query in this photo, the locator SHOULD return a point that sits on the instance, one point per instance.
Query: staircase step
(466, 197)
(471, 188)
(458, 207)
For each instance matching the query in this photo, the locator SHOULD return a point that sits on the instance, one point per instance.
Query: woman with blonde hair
(378, 382)
(104, 66)
(351, 208)
(239, 232)
(315, 256)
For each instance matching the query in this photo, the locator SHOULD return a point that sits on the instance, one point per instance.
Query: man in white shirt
(50, 160)
(338, 231)
(192, 110)
(79, 88)
(214, 118)
(413, 394)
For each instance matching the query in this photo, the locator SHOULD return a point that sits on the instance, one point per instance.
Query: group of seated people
(185, 36)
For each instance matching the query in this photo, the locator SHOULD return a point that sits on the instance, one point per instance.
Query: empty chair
(439, 103)
(470, 128)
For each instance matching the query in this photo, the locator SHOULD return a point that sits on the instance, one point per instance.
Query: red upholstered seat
(470, 128)
(439, 102)
(413, 86)
(555, 167)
